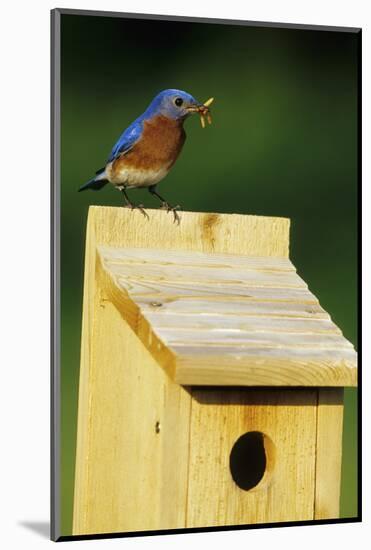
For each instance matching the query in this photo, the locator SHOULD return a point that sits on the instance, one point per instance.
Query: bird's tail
(96, 183)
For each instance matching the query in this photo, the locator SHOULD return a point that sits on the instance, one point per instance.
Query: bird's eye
(178, 101)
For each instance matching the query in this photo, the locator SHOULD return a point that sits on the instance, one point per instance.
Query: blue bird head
(175, 104)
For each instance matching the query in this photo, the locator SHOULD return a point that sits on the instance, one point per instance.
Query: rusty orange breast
(159, 147)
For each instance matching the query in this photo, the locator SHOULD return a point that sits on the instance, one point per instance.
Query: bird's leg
(165, 204)
(133, 206)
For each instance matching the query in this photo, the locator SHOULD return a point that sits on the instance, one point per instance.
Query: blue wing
(127, 139)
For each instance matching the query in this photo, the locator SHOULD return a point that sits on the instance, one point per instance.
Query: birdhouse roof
(214, 318)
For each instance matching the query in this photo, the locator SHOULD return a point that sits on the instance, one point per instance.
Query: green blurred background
(283, 143)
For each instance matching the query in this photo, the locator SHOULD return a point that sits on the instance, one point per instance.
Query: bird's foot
(139, 207)
(166, 206)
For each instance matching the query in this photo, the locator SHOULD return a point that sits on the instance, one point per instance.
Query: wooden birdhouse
(211, 384)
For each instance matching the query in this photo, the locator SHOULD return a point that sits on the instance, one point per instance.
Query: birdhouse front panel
(211, 386)
(252, 456)
(262, 455)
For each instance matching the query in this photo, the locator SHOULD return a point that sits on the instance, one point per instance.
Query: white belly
(130, 177)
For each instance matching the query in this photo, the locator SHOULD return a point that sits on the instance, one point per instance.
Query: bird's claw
(176, 215)
(166, 206)
(139, 207)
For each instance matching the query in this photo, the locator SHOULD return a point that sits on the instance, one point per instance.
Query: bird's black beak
(201, 108)
(195, 108)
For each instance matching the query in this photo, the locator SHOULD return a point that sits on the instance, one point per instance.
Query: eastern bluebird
(148, 148)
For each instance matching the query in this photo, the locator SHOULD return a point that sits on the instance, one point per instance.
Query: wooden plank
(329, 453)
(133, 426)
(163, 290)
(229, 337)
(90, 305)
(278, 367)
(198, 231)
(227, 306)
(194, 258)
(199, 274)
(231, 352)
(214, 321)
(218, 419)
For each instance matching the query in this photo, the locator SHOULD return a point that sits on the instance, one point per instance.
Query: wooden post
(174, 319)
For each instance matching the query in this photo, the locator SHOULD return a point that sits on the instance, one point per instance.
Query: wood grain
(204, 274)
(196, 258)
(204, 291)
(218, 418)
(234, 322)
(198, 231)
(329, 453)
(133, 433)
(254, 320)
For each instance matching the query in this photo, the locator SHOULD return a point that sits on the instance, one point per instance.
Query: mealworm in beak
(205, 113)
(209, 102)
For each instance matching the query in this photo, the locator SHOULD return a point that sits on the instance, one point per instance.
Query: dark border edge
(55, 424)
(359, 277)
(66, 538)
(216, 21)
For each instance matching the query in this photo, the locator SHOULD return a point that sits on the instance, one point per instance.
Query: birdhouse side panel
(133, 432)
